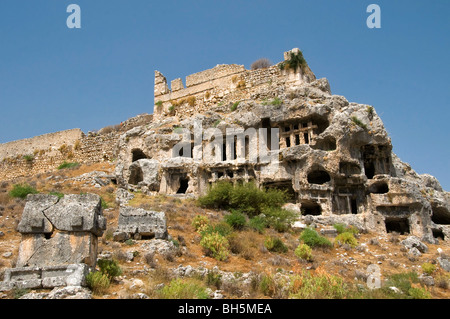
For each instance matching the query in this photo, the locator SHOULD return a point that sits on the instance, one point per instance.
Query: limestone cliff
(281, 127)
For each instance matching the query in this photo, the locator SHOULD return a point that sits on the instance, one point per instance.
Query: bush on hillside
(275, 244)
(236, 219)
(215, 245)
(22, 190)
(311, 238)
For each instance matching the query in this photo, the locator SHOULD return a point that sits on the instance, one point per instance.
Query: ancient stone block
(140, 223)
(59, 241)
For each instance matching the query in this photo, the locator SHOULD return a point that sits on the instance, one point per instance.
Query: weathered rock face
(59, 241)
(283, 130)
(139, 223)
(60, 231)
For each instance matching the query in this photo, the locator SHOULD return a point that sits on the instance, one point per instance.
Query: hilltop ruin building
(280, 127)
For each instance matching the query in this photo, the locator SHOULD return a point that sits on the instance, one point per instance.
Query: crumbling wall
(33, 156)
(43, 142)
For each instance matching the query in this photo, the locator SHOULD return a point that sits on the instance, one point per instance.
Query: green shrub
(104, 203)
(110, 268)
(58, 194)
(159, 103)
(65, 165)
(358, 122)
(267, 285)
(222, 228)
(276, 101)
(318, 286)
(275, 244)
(98, 282)
(236, 219)
(295, 61)
(304, 252)
(213, 279)
(403, 281)
(246, 197)
(278, 218)
(22, 190)
(183, 289)
(218, 195)
(19, 292)
(28, 158)
(346, 238)
(311, 238)
(199, 221)
(428, 268)
(234, 106)
(342, 228)
(215, 245)
(419, 293)
(251, 200)
(257, 223)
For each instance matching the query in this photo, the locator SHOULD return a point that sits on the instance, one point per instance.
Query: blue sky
(54, 78)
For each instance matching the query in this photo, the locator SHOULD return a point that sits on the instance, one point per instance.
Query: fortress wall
(50, 152)
(216, 73)
(46, 152)
(221, 85)
(43, 142)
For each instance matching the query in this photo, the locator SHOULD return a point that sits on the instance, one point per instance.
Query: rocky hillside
(243, 184)
(250, 271)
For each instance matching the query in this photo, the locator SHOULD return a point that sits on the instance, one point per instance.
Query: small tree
(261, 64)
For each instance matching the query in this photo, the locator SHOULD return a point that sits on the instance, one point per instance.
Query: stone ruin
(334, 157)
(59, 241)
(138, 223)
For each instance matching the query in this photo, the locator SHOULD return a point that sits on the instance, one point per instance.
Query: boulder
(138, 223)
(444, 263)
(414, 242)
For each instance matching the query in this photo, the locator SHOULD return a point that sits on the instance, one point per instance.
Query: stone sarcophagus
(140, 224)
(59, 241)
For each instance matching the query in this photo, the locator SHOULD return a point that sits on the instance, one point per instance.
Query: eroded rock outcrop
(281, 127)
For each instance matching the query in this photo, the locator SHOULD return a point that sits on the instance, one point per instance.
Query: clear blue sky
(54, 78)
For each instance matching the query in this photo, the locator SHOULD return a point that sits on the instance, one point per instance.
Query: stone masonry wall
(37, 143)
(46, 154)
(221, 85)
